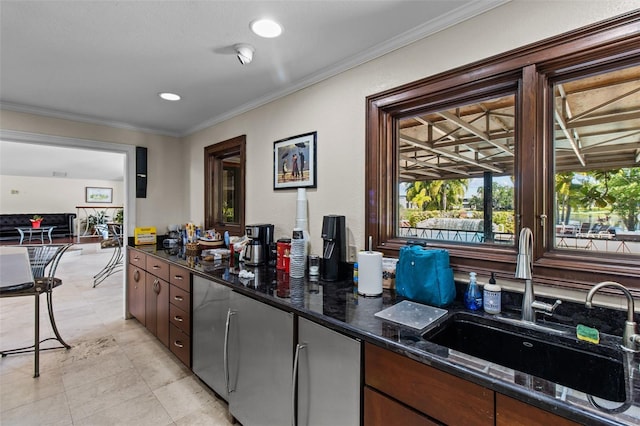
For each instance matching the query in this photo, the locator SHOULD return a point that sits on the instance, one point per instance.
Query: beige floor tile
(51, 410)
(144, 410)
(103, 394)
(93, 369)
(212, 415)
(184, 397)
(20, 389)
(161, 370)
(116, 373)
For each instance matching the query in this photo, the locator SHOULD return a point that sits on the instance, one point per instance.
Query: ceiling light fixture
(168, 96)
(244, 53)
(266, 28)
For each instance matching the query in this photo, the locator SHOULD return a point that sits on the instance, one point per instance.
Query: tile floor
(116, 373)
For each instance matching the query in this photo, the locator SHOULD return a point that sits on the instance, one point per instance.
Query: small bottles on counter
(355, 281)
(492, 296)
(473, 295)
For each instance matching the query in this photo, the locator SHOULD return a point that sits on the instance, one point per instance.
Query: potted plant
(36, 220)
(119, 216)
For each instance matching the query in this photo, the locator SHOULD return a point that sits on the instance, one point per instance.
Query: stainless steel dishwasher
(210, 307)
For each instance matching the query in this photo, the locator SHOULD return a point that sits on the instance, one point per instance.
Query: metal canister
(283, 248)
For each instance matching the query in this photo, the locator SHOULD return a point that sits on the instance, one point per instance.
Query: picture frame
(295, 162)
(98, 195)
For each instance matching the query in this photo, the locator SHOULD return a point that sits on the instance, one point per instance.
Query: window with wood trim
(545, 137)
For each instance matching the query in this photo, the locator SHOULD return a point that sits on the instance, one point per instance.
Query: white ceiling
(106, 61)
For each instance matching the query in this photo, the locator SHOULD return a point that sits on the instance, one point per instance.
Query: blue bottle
(473, 295)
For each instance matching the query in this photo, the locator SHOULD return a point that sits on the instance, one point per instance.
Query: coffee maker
(334, 247)
(257, 251)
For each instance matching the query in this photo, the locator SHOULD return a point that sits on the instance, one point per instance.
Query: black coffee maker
(257, 252)
(334, 247)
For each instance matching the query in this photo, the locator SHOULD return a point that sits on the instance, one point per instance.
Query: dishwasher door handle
(294, 382)
(230, 313)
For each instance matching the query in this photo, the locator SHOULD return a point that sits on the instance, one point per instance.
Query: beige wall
(25, 194)
(335, 108)
(166, 194)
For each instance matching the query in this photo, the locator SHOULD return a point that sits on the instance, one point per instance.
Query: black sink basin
(594, 369)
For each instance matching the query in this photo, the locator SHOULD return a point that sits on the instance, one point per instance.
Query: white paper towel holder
(370, 272)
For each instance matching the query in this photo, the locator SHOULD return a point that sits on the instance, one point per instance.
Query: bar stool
(42, 261)
(115, 264)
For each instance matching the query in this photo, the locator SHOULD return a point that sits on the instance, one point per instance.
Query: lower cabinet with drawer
(433, 394)
(136, 284)
(159, 295)
(399, 390)
(180, 313)
(157, 300)
(511, 412)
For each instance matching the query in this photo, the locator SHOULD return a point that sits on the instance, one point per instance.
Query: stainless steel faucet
(630, 336)
(524, 266)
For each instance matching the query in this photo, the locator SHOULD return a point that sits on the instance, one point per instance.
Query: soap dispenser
(473, 295)
(492, 296)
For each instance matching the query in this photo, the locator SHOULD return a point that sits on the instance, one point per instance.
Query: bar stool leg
(36, 350)
(52, 320)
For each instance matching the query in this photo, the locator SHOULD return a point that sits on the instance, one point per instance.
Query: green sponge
(587, 334)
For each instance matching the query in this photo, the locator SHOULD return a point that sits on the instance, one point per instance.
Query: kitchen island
(445, 385)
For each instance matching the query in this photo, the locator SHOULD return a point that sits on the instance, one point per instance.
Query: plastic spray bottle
(473, 295)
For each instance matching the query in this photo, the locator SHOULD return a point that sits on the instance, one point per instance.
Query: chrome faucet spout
(630, 336)
(528, 298)
(524, 267)
(523, 271)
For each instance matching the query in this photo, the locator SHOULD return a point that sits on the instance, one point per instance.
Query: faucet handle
(545, 308)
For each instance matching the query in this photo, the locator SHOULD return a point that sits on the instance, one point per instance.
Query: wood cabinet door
(136, 279)
(511, 412)
(162, 312)
(380, 410)
(439, 395)
(157, 308)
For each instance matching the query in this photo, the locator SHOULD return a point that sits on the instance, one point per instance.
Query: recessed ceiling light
(266, 28)
(167, 96)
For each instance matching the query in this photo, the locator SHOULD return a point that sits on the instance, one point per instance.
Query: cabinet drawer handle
(177, 277)
(178, 298)
(136, 275)
(178, 343)
(156, 267)
(177, 318)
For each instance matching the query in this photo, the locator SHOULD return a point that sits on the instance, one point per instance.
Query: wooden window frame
(605, 44)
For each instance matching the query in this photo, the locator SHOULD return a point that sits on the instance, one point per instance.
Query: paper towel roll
(370, 273)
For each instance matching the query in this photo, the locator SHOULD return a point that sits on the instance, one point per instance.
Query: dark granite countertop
(334, 305)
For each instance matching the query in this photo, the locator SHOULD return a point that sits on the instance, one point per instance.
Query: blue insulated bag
(425, 276)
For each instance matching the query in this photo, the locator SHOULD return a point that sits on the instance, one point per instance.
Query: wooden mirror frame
(214, 159)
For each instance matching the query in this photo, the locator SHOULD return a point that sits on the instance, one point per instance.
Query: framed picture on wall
(294, 162)
(98, 195)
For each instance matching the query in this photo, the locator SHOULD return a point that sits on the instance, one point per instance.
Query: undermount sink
(594, 369)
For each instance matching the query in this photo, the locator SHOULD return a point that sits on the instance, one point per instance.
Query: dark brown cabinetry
(438, 395)
(157, 308)
(382, 410)
(157, 299)
(399, 390)
(136, 279)
(511, 412)
(159, 294)
(180, 313)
